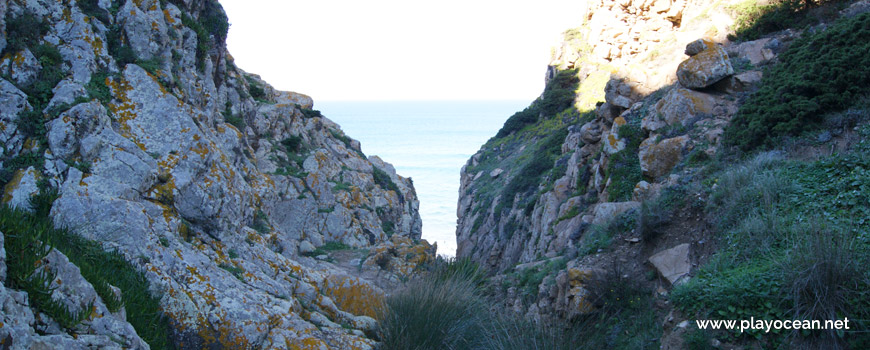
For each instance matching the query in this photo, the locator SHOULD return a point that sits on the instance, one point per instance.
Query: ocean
(428, 141)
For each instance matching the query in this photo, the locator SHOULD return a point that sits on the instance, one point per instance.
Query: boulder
(756, 52)
(21, 188)
(12, 102)
(609, 210)
(657, 158)
(496, 172)
(679, 105)
(612, 142)
(706, 67)
(672, 263)
(590, 132)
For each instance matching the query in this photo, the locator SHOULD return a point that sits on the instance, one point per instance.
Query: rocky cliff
(636, 98)
(596, 83)
(219, 188)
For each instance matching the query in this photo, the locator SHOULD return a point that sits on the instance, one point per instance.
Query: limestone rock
(590, 132)
(679, 105)
(22, 67)
(657, 158)
(610, 210)
(496, 172)
(756, 51)
(672, 263)
(2, 259)
(705, 68)
(12, 102)
(612, 142)
(22, 188)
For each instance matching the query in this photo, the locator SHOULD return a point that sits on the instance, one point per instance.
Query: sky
(377, 50)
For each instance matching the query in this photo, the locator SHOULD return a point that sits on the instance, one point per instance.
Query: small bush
(293, 143)
(819, 73)
(98, 89)
(28, 236)
(23, 31)
(261, 222)
(541, 163)
(624, 166)
(256, 90)
(331, 246)
(123, 54)
(237, 272)
(434, 314)
(652, 220)
(823, 278)
(384, 181)
(558, 95)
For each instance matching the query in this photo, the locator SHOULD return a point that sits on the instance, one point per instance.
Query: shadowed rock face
(196, 168)
(647, 108)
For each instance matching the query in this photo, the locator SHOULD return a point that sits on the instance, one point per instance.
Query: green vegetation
(212, 22)
(599, 237)
(792, 235)
(388, 227)
(558, 95)
(256, 90)
(529, 176)
(384, 181)
(623, 168)
(261, 222)
(821, 72)
(755, 19)
(98, 89)
(310, 113)
(30, 236)
(328, 247)
(23, 31)
(237, 272)
(449, 308)
(529, 279)
(431, 313)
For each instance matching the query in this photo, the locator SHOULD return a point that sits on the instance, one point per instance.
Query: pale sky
(400, 49)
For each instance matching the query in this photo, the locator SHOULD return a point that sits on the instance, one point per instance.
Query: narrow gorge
(687, 160)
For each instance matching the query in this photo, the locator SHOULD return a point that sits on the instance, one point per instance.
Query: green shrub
(384, 181)
(623, 167)
(388, 227)
(754, 19)
(256, 90)
(29, 236)
(97, 87)
(819, 73)
(123, 54)
(331, 246)
(823, 278)
(23, 31)
(261, 222)
(558, 95)
(541, 162)
(92, 8)
(152, 66)
(212, 21)
(434, 314)
(237, 272)
(293, 143)
(310, 113)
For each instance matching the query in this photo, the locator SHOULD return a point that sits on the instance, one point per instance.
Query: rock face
(21, 328)
(709, 64)
(644, 109)
(672, 263)
(162, 149)
(658, 158)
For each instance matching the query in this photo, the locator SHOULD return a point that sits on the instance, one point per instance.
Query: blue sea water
(428, 141)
